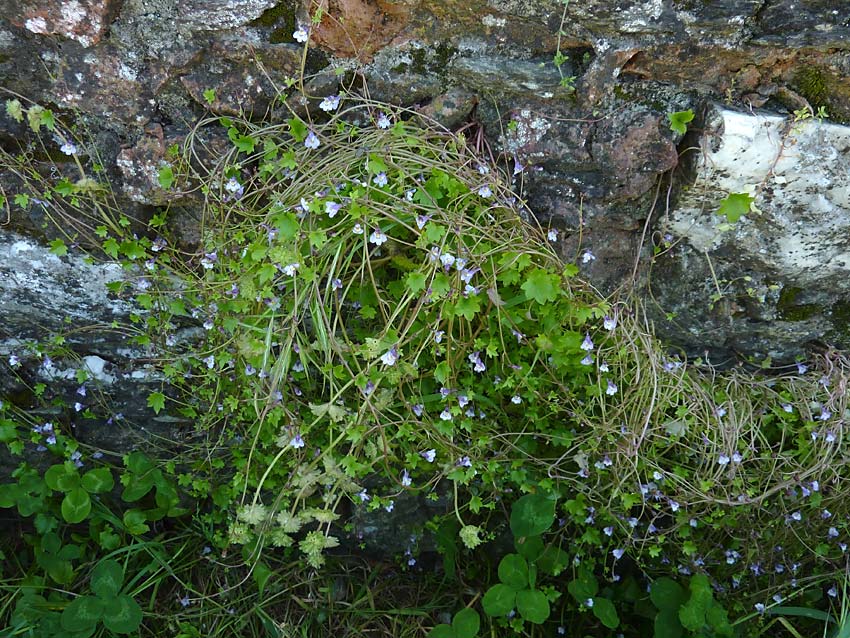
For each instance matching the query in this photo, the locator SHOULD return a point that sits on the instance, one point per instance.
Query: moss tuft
(811, 83)
(790, 310)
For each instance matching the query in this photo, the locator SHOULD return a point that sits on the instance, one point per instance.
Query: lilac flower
(825, 414)
(290, 269)
(446, 414)
(723, 460)
(825, 514)
(587, 361)
(830, 437)
(802, 368)
(429, 455)
(518, 168)
(438, 335)
(390, 357)
(378, 237)
(588, 602)
(759, 607)
(466, 274)
(736, 457)
(250, 370)
(832, 592)
(14, 360)
(618, 553)
(75, 457)
(418, 409)
(609, 323)
(330, 103)
(720, 411)
(383, 121)
(483, 169)
(311, 141)
(78, 407)
(233, 187)
(832, 533)
(516, 399)
(332, 208)
(478, 364)
(552, 235)
(297, 442)
(611, 390)
(797, 516)
(421, 220)
(389, 506)
(209, 260)
(208, 324)
(369, 388)
(608, 531)
(587, 257)
(357, 230)
(587, 344)
(364, 495)
(68, 148)
(603, 367)
(485, 191)
(210, 361)
(81, 390)
(301, 35)
(447, 259)
(380, 179)
(405, 478)
(519, 336)
(464, 462)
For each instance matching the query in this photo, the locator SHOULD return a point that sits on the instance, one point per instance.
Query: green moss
(281, 19)
(811, 83)
(790, 310)
(424, 60)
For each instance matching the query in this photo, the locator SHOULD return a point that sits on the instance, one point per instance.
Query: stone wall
(636, 203)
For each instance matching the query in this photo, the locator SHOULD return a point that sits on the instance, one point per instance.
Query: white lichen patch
(800, 176)
(39, 289)
(493, 21)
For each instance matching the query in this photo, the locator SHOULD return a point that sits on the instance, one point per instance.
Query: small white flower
(78, 407)
(587, 361)
(330, 103)
(446, 415)
(405, 479)
(389, 506)
(357, 230)
(587, 344)
(588, 602)
(232, 185)
(383, 121)
(797, 516)
(377, 238)
(552, 235)
(759, 607)
(737, 458)
(380, 179)
(429, 455)
(483, 169)
(802, 368)
(68, 148)
(447, 259)
(301, 35)
(611, 390)
(297, 442)
(609, 323)
(311, 141)
(210, 361)
(618, 553)
(290, 269)
(516, 399)
(587, 257)
(723, 460)
(485, 191)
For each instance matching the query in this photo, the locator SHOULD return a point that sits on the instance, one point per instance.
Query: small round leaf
(122, 615)
(666, 593)
(605, 611)
(499, 600)
(533, 606)
(442, 631)
(61, 479)
(532, 515)
(529, 546)
(98, 481)
(106, 579)
(513, 571)
(466, 623)
(76, 505)
(82, 613)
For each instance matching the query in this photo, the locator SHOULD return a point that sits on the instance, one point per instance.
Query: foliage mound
(370, 316)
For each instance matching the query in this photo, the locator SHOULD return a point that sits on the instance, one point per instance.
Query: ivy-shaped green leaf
(679, 121)
(735, 205)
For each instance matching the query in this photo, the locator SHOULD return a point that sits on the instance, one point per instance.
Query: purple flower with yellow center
(418, 409)
(611, 390)
(485, 191)
(587, 344)
(390, 357)
(332, 208)
(429, 455)
(380, 179)
(297, 442)
(330, 103)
